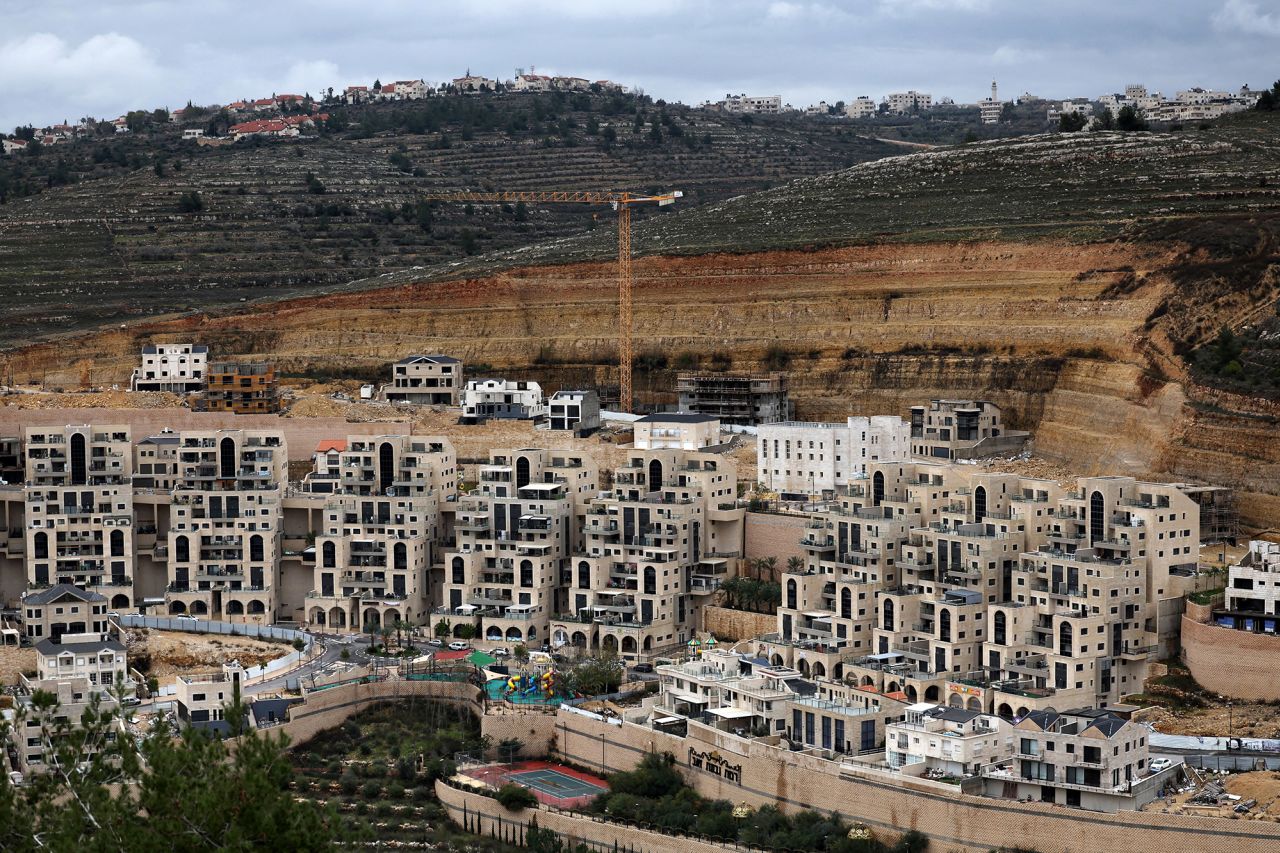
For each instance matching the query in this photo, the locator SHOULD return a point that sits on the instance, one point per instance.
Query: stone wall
(326, 709)
(485, 816)
(890, 804)
(773, 535)
(1234, 663)
(734, 625)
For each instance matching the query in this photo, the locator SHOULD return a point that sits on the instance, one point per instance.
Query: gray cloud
(63, 59)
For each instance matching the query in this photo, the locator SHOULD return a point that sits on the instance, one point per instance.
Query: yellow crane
(622, 202)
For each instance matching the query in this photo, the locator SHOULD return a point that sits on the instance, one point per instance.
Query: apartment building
(735, 398)
(515, 534)
(155, 462)
(503, 398)
(861, 107)
(801, 460)
(79, 510)
(179, 368)
(989, 591)
(91, 656)
(202, 699)
(1088, 758)
(676, 431)
(657, 546)
(961, 429)
(425, 380)
(575, 411)
(911, 101)
(34, 735)
(225, 524)
(942, 740)
(752, 104)
(63, 609)
(245, 388)
(375, 549)
(991, 108)
(1253, 589)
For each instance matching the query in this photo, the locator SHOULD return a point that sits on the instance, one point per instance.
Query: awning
(686, 696)
(480, 659)
(666, 721)
(818, 614)
(730, 713)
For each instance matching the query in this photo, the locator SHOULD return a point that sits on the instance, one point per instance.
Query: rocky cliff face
(1058, 333)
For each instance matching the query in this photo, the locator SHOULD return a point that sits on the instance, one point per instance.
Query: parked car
(1159, 765)
(643, 667)
(435, 641)
(458, 646)
(501, 652)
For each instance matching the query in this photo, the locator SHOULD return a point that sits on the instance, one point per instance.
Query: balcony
(817, 543)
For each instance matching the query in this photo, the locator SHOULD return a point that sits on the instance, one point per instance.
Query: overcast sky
(64, 59)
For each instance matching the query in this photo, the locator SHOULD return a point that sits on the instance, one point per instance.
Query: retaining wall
(1234, 663)
(734, 625)
(773, 535)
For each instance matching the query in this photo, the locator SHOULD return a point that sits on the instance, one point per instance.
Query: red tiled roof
(331, 444)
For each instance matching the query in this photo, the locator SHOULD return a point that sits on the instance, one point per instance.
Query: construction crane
(622, 202)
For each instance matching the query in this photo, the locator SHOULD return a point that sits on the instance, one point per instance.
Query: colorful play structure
(529, 685)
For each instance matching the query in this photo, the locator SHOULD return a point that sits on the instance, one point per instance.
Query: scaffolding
(1219, 516)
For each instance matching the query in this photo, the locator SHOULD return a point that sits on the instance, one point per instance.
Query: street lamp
(1230, 721)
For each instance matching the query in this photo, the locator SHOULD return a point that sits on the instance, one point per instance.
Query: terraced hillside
(292, 217)
(1068, 278)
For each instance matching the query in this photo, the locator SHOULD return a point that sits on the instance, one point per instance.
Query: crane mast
(622, 202)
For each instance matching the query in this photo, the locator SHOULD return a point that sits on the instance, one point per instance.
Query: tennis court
(550, 783)
(555, 783)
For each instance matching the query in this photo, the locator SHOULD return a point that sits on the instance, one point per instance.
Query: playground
(526, 689)
(552, 784)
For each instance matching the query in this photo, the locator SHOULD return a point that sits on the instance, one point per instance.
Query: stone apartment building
(656, 547)
(225, 524)
(48, 614)
(942, 739)
(179, 368)
(861, 107)
(902, 103)
(375, 549)
(514, 536)
(1085, 758)
(426, 380)
(989, 591)
(33, 737)
(245, 388)
(1253, 588)
(961, 429)
(79, 509)
(675, 431)
(801, 460)
(502, 398)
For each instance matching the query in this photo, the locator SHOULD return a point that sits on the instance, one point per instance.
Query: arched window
(386, 466)
(944, 626)
(329, 555)
(1000, 628)
(526, 573)
(400, 556)
(227, 457)
(181, 550)
(877, 488)
(846, 603)
(117, 543)
(791, 594)
(522, 472)
(655, 475)
(79, 460)
(886, 621)
(459, 572)
(979, 503)
(256, 554)
(650, 581)
(1097, 518)
(584, 575)
(1064, 639)
(42, 545)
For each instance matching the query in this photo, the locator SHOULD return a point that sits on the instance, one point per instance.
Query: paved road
(326, 650)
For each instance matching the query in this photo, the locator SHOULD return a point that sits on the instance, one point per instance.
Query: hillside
(108, 240)
(1067, 278)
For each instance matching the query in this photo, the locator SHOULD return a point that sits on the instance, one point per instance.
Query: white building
(531, 83)
(991, 107)
(676, 431)
(811, 459)
(946, 740)
(578, 411)
(1253, 585)
(861, 107)
(95, 657)
(425, 380)
(503, 398)
(180, 368)
(752, 104)
(901, 103)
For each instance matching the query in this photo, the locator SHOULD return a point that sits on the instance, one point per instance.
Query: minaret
(993, 91)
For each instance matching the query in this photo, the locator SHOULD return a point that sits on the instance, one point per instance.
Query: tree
(190, 202)
(443, 628)
(509, 748)
(1130, 119)
(188, 792)
(1072, 121)
(795, 565)
(520, 653)
(515, 798)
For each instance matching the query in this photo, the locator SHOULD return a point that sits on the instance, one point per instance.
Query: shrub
(515, 798)
(370, 790)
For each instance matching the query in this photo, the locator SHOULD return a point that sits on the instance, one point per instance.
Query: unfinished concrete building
(177, 368)
(245, 388)
(425, 380)
(734, 398)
